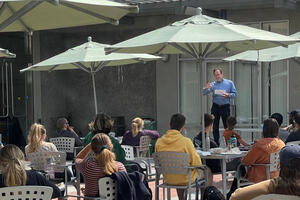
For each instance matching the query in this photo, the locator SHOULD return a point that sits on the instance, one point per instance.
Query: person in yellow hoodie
(174, 141)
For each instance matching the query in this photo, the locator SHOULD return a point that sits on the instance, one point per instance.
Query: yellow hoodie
(174, 141)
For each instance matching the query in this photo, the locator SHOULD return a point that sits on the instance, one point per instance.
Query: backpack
(212, 193)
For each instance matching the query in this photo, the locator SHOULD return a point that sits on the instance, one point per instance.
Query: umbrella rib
(160, 49)
(280, 44)
(192, 48)
(206, 49)
(27, 29)
(182, 49)
(101, 65)
(111, 50)
(215, 49)
(107, 19)
(81, 66)
(52, 68)
(19, 13)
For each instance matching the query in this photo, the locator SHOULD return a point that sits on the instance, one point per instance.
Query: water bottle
(233, 141)
(207, 142)
(50, 167)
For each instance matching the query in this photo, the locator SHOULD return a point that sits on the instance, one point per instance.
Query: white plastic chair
(64, 144)
(26, 193)
(144, 146)
(174, 163)
(107, 188)
(39, 160)
(274, 165)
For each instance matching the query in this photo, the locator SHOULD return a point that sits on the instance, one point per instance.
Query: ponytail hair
(136, 126)
(102, 147)
(35, 136)
(13, 166)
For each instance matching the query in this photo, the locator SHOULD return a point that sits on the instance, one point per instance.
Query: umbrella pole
(200, 64)
(94, 90)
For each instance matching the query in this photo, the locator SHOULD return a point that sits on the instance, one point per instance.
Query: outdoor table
(222, 158)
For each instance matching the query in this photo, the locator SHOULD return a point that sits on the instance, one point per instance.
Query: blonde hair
(102, 147)
(35, 136)
(136, 126)
(13, 166)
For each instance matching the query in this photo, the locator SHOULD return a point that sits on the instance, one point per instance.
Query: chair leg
(168, 194)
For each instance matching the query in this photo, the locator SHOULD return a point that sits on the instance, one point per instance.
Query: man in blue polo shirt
(223, 90)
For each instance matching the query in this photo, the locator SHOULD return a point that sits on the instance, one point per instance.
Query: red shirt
(227, 134)
(92, 172)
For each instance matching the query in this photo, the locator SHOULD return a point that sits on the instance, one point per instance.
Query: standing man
(222, 89)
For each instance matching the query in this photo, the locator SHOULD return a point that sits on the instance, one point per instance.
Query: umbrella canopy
(89, 57)
(270, 54)
(6, 54)
(33, 15)
(199, 36)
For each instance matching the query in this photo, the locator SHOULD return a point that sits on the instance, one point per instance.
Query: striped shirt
(92, 172)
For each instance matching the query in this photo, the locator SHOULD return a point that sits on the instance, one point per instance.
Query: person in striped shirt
(95, 161)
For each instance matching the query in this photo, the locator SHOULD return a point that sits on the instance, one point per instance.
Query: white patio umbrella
(89, 57)
(33, 15)
(200, 36)
(6, 54)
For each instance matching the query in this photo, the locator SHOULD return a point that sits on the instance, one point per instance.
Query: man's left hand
(226, 95)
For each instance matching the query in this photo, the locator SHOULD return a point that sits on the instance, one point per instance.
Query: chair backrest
(171, 162)
(26, 193)
(129, 152)
(276, 196)
(64, 144)
(108, 188)
(144, 143)
(294, 142)
(274, 161)
(40, 160)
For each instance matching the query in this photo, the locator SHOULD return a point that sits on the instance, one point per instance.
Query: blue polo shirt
(217, 87)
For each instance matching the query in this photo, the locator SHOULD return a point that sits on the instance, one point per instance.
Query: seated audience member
(104, 124)
(283, 134)
(213, 164)
(13, 172)
(291, 127)
(36, 143)
(36, 140)
(260, 154)
(97, 163)
(64, 130)
(295, 136)
(173, 140)
(229, 131)
(288, 182)
(132, 137)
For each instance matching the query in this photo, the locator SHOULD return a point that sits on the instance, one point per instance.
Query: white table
(222, 158)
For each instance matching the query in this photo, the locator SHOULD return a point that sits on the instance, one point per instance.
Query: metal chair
(274, 165)
(129, 155)
(174, 163)
(65, 144)
(26, 193)
(40, 161)
(143, 148)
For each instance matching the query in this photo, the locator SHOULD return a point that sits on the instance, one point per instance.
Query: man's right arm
(208, 89)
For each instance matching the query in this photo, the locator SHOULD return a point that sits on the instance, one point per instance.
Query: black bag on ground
(212, 193)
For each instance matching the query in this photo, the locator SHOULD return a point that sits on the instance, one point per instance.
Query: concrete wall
(127, 91)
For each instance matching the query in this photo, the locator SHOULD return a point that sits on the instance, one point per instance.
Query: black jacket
(130, 186)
